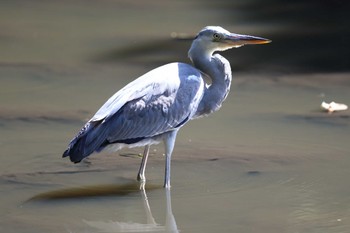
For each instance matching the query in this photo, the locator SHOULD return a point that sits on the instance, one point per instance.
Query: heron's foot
(167, 185)
(141, 178)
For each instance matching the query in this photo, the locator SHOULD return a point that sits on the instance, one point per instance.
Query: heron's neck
(219, 71)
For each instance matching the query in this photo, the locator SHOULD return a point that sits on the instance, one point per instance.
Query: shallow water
(268, 161)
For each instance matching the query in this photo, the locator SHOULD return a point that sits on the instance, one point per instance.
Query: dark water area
(308, 36)
(269, 161)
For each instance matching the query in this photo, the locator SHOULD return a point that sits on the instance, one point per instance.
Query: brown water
(268, 161)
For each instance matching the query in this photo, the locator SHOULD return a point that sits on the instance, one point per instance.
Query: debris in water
(333, 107)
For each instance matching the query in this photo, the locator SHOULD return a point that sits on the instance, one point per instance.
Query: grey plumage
(153, 107)
(150, 111)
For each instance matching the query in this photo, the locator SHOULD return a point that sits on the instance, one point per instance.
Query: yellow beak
(239, 40)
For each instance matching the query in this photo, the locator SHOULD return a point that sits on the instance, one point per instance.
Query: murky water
(268, 161)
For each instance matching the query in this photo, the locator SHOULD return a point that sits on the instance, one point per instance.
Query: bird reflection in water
(117, 190)
(150, 226)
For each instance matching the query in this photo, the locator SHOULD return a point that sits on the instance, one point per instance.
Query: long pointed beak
(239, 40)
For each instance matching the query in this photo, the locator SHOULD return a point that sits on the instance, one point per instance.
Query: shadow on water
(92, 191)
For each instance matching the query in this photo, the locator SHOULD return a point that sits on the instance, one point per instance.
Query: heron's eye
(216, 37)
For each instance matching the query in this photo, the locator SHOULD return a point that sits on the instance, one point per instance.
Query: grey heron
(152, 108)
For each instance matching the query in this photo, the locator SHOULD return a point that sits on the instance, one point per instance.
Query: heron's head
(214, 38)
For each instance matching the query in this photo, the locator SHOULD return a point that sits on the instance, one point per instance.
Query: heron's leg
(141, 175)
(169, 142)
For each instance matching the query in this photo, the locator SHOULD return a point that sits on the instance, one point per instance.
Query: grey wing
(152, 115)
(160, 101)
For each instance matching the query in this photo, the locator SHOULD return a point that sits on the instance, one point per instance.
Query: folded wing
(159, 101)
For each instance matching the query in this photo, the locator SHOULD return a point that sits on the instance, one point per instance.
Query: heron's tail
(89, 139)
